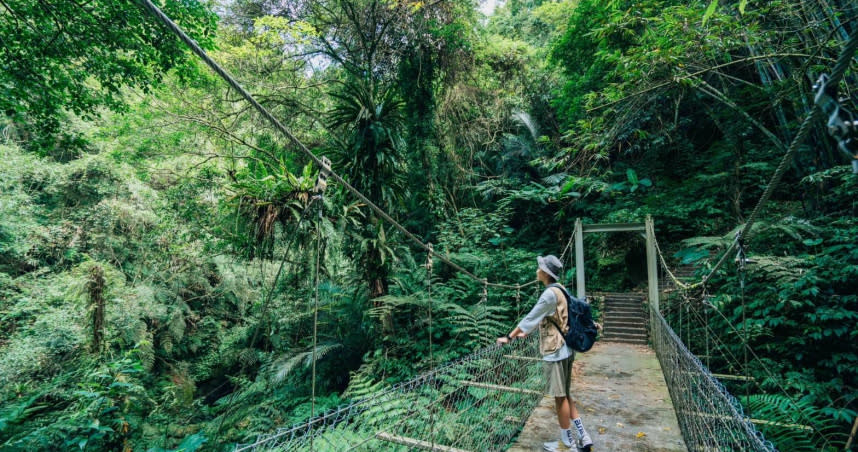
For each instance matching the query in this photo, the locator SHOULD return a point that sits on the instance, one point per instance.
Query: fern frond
(790, 424)
(284, 366)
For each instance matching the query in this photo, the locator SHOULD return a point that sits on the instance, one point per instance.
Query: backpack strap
(561, 297)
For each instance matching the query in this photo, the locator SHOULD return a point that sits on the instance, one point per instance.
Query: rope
(270, 294)
(431, 356)
(315, 320)
(155, 11)
(839, 70)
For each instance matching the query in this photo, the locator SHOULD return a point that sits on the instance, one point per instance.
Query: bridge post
(579, 258)
(651, 264)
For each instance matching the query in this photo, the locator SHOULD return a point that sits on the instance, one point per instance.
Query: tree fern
(286, 365)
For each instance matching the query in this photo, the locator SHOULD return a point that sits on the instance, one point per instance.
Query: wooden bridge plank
(416, 443)
(498, 387)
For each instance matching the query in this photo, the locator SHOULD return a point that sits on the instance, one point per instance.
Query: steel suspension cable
(840, 68)
(315, 320)
(172, 26)
(431, 355)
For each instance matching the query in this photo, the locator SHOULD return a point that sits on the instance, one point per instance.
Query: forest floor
(622, 399)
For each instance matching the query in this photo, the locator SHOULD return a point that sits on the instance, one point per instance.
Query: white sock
(566, 436)
(579, 427)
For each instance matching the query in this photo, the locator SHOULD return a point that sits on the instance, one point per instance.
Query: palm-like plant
(370, 148)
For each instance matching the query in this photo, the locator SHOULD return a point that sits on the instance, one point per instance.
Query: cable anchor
(842, 124)
(429, 258)
(322, 179)
(742, 259)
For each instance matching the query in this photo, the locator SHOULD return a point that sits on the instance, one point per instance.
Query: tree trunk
(95, 290)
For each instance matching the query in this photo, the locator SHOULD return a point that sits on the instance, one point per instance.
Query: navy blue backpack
(582, 330)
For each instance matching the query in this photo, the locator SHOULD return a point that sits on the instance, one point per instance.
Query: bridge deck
(623, 401)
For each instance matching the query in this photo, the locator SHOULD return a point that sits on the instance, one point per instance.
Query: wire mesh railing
(477, 403)
(710, 418)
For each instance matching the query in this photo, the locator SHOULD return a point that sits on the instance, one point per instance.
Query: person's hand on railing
(510, 336)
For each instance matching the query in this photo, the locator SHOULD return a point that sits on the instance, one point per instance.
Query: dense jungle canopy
(163, 262)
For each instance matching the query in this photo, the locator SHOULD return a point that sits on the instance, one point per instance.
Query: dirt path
(622, 399)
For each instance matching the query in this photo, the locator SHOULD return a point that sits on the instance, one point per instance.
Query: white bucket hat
(550, 265)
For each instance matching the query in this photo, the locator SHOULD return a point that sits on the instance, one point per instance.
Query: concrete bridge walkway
(623, 401)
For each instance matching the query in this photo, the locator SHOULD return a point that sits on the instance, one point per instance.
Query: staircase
(623, 318)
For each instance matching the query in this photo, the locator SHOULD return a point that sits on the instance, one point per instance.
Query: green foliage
(487, 138)
(60, 57)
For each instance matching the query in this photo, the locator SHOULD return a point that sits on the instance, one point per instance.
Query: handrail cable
(154, 10)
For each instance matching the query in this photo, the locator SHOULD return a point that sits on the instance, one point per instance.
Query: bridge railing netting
(710, 418)
(477, 403)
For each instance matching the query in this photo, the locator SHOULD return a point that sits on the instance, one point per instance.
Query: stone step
(618, 296)
(615, 317)
(614, 330)
(613, 324)
(623, 297)
(623, 337)
(624, 300)
(638, 312)
(629, 301)
(624, 306)
(625, 340)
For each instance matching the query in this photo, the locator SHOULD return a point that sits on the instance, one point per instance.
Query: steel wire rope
(481, 354)
(337, 413)
(172, 26)
(266, 301)
(315, 321)
(431, 356)
(461, 413)
(735, 361)
(282, 129)
(840, 68)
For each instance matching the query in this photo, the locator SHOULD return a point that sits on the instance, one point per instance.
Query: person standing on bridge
(557, 357)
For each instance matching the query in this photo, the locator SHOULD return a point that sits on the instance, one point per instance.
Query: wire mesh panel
(709, 417)
(477, 403)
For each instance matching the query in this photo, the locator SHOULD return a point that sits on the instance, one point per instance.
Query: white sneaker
(585, 444)
(554, 446)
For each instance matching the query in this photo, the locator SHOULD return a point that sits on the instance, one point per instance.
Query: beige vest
(550, 340)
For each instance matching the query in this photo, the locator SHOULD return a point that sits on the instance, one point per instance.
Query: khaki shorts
(558, 374)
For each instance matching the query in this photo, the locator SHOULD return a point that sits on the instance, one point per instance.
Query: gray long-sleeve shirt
(546, 305)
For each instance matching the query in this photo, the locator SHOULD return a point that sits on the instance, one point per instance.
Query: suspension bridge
(635, 396)
(492, 398)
